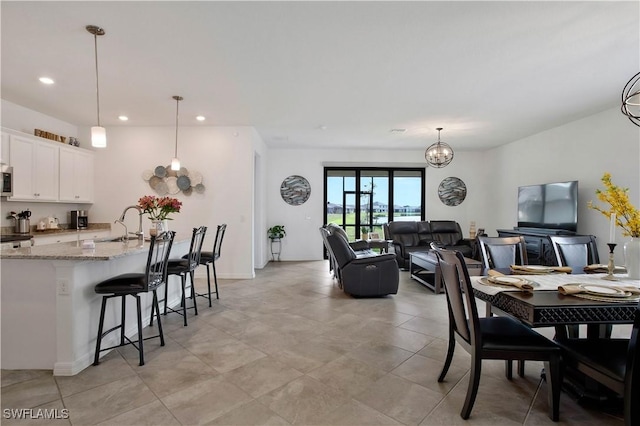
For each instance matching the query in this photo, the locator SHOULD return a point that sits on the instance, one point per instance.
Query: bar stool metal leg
(96, 359)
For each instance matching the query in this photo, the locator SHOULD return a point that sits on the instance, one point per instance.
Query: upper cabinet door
(21, 154)
(35, 169)
(76, 175)
(45, 167)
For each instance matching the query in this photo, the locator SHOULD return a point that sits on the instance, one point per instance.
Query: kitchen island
(50, 311)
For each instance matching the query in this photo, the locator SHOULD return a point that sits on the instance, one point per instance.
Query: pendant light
(631, 99)
(98, 133)
(175, 162)
(439, 154)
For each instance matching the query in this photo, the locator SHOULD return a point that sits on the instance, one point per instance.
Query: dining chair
(183, 267)
(615, 363)
(209, 258)
(575, 251)
(132, 284)
(502, 252)
(497, 338)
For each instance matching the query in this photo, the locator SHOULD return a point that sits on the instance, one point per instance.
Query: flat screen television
(550, 206)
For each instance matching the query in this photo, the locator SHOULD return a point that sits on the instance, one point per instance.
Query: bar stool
(183, 267)
(209, 258)
(132, 284)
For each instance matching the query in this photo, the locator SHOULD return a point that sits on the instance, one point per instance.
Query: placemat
(606, 299)
(485, 281)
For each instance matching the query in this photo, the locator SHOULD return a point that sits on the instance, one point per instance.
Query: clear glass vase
(632, 257)
(158, 227)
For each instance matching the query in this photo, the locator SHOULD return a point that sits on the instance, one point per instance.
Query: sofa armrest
(359, 245)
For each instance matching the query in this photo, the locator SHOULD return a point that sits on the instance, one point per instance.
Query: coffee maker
(79, 219)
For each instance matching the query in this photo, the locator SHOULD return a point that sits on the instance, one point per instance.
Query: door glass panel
(376, 184)
(407, 195)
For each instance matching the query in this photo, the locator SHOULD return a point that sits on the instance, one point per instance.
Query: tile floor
(289, 347)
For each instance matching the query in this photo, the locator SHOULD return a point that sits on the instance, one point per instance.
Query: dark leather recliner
(411, 237)
(365, 275)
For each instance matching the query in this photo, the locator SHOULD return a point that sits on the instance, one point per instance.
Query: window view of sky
(406, 190)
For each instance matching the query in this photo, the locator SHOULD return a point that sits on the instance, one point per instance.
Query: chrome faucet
(139, 234)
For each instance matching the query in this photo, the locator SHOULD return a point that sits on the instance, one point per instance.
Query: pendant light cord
(95, 40)
(177, 98)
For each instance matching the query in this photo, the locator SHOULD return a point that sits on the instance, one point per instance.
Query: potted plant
(364, 232)
(275, 234)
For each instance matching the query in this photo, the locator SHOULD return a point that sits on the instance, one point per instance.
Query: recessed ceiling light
(46, 80)
(201, 118)
(123, 118)
(322, 127)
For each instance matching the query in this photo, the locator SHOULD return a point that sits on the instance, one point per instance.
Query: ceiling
(326, 74)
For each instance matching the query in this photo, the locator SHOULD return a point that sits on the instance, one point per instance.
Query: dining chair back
(183, 267)
(132, 284)
(502, 252)
(575, 251)
(209, 258)
(501, 338)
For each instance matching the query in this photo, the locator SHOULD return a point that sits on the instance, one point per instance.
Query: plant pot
(158, 227)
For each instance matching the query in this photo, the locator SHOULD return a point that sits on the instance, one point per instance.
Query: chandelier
(631, 99)
(439, 154)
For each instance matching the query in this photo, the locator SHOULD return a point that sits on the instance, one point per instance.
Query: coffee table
(424, 268)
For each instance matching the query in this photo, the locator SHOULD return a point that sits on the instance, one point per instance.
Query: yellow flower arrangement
(627, 216)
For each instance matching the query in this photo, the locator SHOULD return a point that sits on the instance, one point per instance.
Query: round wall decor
(452, 191)
(295, 190)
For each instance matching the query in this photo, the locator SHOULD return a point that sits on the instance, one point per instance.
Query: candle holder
(610, 265)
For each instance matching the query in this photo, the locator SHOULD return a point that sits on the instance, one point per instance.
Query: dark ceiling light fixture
(439, 154)
(631, 99)
(98, 133)
(175, 162)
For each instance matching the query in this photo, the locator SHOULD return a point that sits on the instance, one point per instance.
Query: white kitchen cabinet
(35, 169)
(4, 150)
(76, 175)
(67, 237)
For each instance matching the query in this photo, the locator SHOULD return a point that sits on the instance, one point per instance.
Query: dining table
(597, 302)
(545, 306)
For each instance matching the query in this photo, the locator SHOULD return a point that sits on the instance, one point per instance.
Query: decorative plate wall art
(165, 181)
(295, 190)
(452, 191)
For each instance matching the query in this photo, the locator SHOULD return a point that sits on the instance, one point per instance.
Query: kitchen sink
(108, 239)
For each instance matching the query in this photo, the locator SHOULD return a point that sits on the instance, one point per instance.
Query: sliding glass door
(364, 199)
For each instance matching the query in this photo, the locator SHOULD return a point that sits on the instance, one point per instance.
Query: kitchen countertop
(74, 251)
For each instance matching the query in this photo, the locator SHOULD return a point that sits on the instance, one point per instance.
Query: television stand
(539, 249)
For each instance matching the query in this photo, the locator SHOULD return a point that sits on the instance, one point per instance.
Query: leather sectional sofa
(410, 237)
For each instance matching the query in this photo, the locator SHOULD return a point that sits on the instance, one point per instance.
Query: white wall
(303, 240)
(223, 155)
(243, 179)
(582, 150)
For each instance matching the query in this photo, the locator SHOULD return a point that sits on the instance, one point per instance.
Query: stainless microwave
(7, 181)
